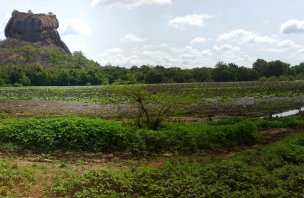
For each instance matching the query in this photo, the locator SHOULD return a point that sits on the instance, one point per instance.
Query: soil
(44, 107)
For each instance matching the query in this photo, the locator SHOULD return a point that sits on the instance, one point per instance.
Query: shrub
(80, 134)
(85, 134)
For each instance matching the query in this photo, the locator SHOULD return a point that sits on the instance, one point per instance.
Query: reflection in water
(288, 113)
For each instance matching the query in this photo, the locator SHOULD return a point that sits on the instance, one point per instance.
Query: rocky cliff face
(35, 28)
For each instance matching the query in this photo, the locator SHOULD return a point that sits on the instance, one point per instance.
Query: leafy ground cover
(182, 159)
(14, 180)
(190, 99)
(265, 171)
(186, 92)
(87, 134)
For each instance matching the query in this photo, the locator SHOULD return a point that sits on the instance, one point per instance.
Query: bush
(79, 134)
(85, 134)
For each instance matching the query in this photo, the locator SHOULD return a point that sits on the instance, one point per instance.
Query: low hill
(24, 63)
(15, 52)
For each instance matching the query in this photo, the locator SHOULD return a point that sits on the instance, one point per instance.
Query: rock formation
(35, 28)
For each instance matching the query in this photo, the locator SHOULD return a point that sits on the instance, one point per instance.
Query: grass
(14, 180)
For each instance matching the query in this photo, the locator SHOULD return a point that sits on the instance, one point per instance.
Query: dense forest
(27, 64)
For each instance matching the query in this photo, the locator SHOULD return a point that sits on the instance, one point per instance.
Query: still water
(288, 113)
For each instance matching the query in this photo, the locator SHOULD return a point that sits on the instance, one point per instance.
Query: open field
(192, 99)
(82, 141)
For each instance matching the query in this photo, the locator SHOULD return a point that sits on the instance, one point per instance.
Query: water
(288, 113)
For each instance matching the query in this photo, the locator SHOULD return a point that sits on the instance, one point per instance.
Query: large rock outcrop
(35, 28)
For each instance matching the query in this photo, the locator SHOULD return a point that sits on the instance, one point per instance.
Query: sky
(175, 33)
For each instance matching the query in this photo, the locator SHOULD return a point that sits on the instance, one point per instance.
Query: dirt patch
(44, 107)
(276, 134)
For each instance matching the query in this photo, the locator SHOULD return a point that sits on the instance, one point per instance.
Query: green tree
(246, 74)
(224, 72)
(277, 68)
(154, 77)
(260, 66)
(18, 76)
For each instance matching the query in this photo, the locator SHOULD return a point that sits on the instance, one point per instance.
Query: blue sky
(184, 33)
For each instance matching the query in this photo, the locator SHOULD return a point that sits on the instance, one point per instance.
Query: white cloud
(273, 50)
(94, 3)
(198, 40)
(287, 44)
(280, 47)
(113, 56)
(292, 26)
(174, 56)
(206, 52)
(231, 54)
(114, 50)
(226, 47)
(3, 24)
(76, 44)
(147, 47)
(77, 26)
(164, 45)
(167, 56)
(242, 36)
(298, 55)
(129, 3)
(133, 38)
(195, 20)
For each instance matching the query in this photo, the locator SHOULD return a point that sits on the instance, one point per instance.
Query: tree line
(36, 75)
(25, 64)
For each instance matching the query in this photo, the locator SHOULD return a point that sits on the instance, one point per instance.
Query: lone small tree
(150, 112)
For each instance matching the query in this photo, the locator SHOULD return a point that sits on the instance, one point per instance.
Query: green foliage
(184, 95)
(270, 171)
(32, 64)
(84, 134)
(14, 180)
(79, 134)
(59, 68)
(109, 185)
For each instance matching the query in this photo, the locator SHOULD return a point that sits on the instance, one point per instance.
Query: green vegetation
(14, 180)
(269, 171)
(152, 149)
(179, 93)
(187, 99)
(274, 170)
(27, 64)
(83, 134)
